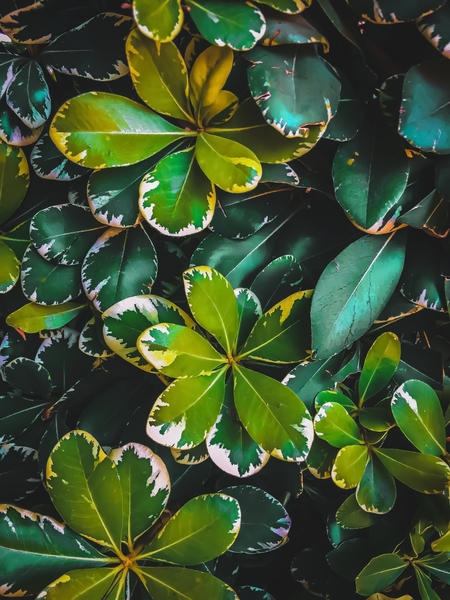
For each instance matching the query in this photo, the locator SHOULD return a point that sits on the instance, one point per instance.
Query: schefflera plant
(116, 501)
(352, 430)
(244, 415)
(225, 143)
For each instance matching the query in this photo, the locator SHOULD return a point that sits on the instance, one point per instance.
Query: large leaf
(424, 113)
(344, 305)
(289, 29)
(238, 25)
(418, 413)
(370, 175)
(186, 411)
(385, 12)
(201, 530)
(273, 415)
(9, 268)
(213, 304)
(178, 351)
(94, 50)
(159, 75)
(333, 424)
(124, 322)
(100, 130)
(228, 164)
(273, 339)
(176, 197)
(121, 263)
(379, 573)
(95, 584)
(29, 96)
(161, 22)
(32, 317)
(295, 106)
(36, 549)
(14, 179)
(380, 364)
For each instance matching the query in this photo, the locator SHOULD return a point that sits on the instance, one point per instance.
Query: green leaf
(186, 411)
(159, 75)
(349, 466)
(376, 418)
(121, 263)
(424, 112)
(272, 339)
(279, 279)
(36, 549)
(235, 24)
(221, 110)
(213, 304)
(333, 424)
(178, 351)
(64, 232)
(380, 364)
(145, 487)
(273, 415)
(29, 97)
(48, 283)
(288, 6)
(208, 75)
(48, 162)
(442, 544)
(176, 197)
(84, 487)
(321, 458)
(376, 492)
(249, 592)
(265, 522)
(228, 164)
(95, 584)
(351, 516)
(9, 65)
(13, 131)
(161, 22)
(249, 311)
(379, 573)
(370, 175)
(422, 472)
(386, 12)
(230, 446)
(14, 179)
(343, 306)
(349, 116)
(295, 106)
(290, 29)
(28, 376)
(174, 583)
(99, 130)
(17, 415)
(201, 530)
(337, 397)
(94, 49)
(16, 459)
(418, 413)
(424, 584)
(437, 565)
(91, 340)
(33, 318)
(435, 27)
(9, 268)
(124, 322)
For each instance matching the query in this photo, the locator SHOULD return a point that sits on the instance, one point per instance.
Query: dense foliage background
(224, 289)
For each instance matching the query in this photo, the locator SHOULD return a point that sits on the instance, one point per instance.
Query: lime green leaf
(349, 466)
(351, 516)
(85, 489)
(238, 25)
(186, 411)
(418, 413)
(385, 12)
(379, 366)
(175, 583)
(176, 197)
(178, 351)
(14, 179)
(343, 306)
(221, 110)
(379, 573)
(295, 106)
(9, 268)
(32, 317)
(145, 486)
(92, 584)
(99, 130)
(370, 175)
(159, 75)
(288, 6)
(332, 396)
(442, 544)
(424, 112)
(273, 339)
(333, 424)
(36, 549)
(376, 418)
(124, 322)
(201, 530)
(213, 304)
(208, 75)
(422, 472)
(273, 415)
(161, 22)
(376, 492)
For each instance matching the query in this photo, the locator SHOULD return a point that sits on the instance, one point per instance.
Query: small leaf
(351, 516)
(281, 278)
(379, 366)
(333, 424)
(161, 22)
(376, 492)
(349, 466)
(379, 573)
(33, 318)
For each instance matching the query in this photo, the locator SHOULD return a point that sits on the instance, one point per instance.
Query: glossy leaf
(333, 424)
(208, 75)
(379, 573)
(161, 22)
(289, 29)
(28, 376)
(97, 584)
(9, 268)
(343, 306)
(29, 97)
(349, 466)
(279, 279)
(48, 162)
(380, 364)
(337, 397)
(376, 492)
(32, 317)
(351, 516)
(14, 179)
(321, 458)
(273, 415)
